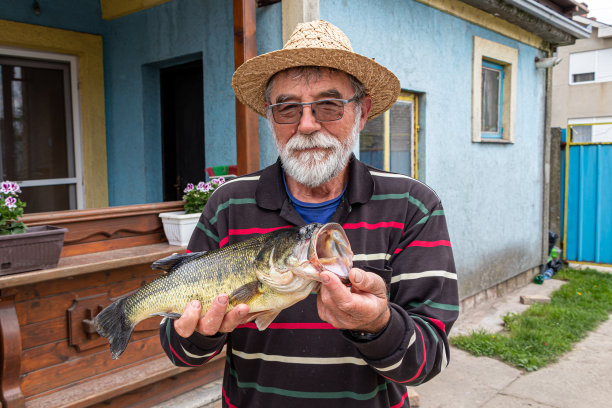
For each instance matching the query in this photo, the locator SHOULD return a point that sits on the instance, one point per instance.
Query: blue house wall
(492, 193)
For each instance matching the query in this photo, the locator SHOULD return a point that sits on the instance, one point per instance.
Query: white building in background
(582, 85)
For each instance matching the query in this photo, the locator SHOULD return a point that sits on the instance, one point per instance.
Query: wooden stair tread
(101, 388)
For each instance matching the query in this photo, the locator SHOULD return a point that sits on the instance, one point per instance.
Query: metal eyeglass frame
(302, 104)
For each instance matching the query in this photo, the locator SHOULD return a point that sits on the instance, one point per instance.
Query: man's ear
(366, 106)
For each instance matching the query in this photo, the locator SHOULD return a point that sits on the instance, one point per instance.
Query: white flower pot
(179, 226)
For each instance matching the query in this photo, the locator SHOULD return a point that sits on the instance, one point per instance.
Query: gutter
(551, 17)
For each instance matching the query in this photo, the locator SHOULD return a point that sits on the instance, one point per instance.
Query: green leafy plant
(542, 333)
(11, 209)
(196, 196)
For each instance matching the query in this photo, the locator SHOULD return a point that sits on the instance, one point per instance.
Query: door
(587, 205)
(182, 111)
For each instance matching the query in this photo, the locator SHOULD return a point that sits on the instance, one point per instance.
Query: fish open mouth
(330, 250)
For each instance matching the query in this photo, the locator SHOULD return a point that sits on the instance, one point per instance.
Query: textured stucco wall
(492, 193)
(136, 47)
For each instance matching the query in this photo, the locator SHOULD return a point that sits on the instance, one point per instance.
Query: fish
(268, 272)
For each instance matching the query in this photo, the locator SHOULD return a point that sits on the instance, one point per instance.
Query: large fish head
(323, 248)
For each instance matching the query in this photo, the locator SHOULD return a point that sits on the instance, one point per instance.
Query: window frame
(404, 96)
(598, 75)
(75, 131)
(506, 57)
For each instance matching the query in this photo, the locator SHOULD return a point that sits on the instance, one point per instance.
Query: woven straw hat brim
(251, 78)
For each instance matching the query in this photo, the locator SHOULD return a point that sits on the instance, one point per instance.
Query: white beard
(315, 168)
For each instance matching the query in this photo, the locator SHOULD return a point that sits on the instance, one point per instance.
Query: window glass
(401, 127)
(36, 132)
(372, 143)
(491, 99)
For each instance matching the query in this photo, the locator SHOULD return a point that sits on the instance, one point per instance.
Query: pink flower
(5, 188)
(188, 188)
(15, 187)
(10, 202)
(221, 180)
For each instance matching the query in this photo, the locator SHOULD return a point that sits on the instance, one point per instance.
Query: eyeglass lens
(323, 111)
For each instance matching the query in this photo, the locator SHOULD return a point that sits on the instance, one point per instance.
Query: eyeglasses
(326, 110)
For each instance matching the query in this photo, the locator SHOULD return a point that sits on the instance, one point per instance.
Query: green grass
(542, 333)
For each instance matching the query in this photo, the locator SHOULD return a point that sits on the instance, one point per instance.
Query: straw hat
(316, 43)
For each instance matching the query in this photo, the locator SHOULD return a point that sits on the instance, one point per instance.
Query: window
(492, 97)
(591, 130)
(494, 91)
(590, 66)
(389, 141)
(38, 147)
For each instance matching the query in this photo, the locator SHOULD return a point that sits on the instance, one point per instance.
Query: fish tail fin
(113, 324)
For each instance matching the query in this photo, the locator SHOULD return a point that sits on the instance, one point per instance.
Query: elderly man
(359, 345)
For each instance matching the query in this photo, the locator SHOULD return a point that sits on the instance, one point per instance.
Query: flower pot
(37, 248)
(179, 226)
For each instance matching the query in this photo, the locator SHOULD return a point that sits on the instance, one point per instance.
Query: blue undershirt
(314, 212)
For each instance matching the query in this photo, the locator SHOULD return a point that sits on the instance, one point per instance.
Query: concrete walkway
(581, 378)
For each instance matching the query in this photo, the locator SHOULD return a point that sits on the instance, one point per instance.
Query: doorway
(182, 121)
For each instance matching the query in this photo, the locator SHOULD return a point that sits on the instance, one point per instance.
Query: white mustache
(319, 140)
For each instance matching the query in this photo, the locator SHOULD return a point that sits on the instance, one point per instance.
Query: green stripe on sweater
(435, 305)
(231, 201)
(433, 214)
(308, 394)
(208, 232)
(410, 198)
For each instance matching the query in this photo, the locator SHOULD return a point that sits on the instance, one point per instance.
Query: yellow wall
(119, 8)
(88, 49)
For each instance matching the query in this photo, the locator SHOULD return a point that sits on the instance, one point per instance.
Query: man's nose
(308, 124)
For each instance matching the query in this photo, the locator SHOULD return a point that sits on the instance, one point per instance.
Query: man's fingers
(333, 290)
(368, 282)
(236, 316)
(186, 324)
(210, 323)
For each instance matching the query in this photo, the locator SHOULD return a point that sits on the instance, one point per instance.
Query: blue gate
(587, 194)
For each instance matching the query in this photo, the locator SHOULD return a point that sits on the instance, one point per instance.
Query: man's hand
(214, 321)
(363, 307)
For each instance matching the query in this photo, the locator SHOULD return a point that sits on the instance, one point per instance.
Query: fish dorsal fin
(245, 293)
(169, 263)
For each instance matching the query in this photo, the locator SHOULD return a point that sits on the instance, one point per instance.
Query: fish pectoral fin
(169, 263)
(264, 319)
(168, 315)
(245, 293)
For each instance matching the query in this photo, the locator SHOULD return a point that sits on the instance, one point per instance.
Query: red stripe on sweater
(247, 231)
(425, 244)
(401, 402)
(420, 368)
(227, 401)
(438, 323)
(390, 224)
(287, 326)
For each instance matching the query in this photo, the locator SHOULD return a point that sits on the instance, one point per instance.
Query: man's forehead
(327, 82)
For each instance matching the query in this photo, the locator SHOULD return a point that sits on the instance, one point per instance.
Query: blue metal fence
(587, 193)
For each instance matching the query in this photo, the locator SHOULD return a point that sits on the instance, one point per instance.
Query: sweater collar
(271, 194)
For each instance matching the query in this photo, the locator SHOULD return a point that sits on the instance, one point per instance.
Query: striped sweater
(397, 229)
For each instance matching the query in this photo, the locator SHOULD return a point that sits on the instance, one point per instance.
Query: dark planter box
(38, 248)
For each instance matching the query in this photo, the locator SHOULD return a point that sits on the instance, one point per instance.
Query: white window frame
(72, 60)
(508, 58)
(601, 59)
